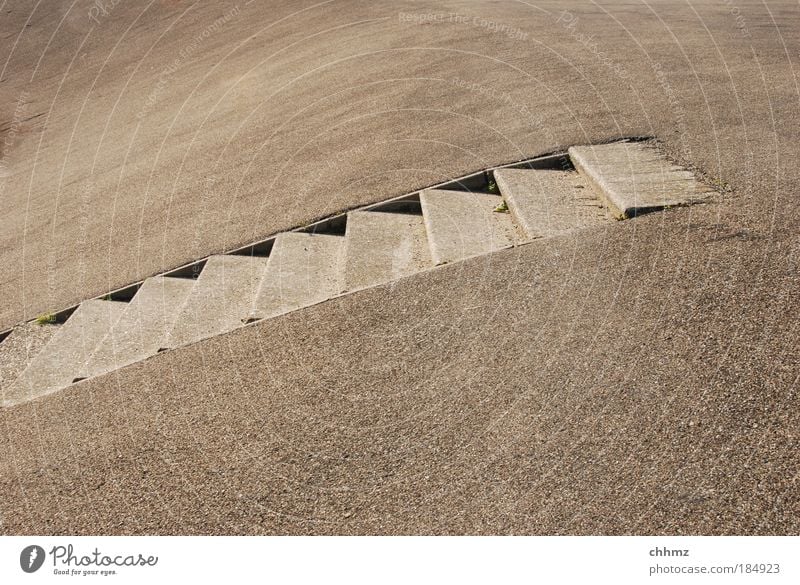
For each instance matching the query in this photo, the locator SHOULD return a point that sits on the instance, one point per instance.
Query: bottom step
(62, 359)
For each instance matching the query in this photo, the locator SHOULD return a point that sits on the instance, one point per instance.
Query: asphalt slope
(638, 378)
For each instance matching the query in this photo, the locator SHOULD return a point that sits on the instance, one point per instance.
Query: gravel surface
(635, 377)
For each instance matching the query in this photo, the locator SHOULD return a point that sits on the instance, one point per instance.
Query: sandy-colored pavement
(638, 378)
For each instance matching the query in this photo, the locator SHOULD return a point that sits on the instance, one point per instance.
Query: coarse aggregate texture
(639, 377)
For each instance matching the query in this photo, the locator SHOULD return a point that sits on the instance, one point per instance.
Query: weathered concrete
(549, 202)
(380, 247)
(143, 327)
(641, 379)
(303, 269)
(462, 224)
(20, 347)
(633, 177)
(219, 300)
(61, 360)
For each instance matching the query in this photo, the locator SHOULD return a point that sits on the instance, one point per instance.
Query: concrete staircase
(479, 214)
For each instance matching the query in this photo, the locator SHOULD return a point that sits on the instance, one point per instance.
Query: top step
(219, 300)
(462, 224)
(61, 360)
(633, 177)
(549, 202)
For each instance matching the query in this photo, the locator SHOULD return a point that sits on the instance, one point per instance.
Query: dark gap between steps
(191, 271)
(260, 249)
(333, 226)
(406, 206)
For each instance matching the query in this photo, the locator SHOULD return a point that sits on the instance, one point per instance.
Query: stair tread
(143, 327)
(220, 299)
(381, 247)
(20, 347)
(462, 224)
(634, 177)
(61, 360)
(549, 202)
(303, 269)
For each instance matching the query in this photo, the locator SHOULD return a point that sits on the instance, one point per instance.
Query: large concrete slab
(462, 224)
(633, 177)
(220, 299)
(303, 269)
(549, 202)
(61, 360)
(143, 327)
(381, 247)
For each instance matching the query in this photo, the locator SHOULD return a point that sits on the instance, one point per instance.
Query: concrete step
(143, 327)
(303, 269)
(20, 347)
(61, 360)
(633, 177)
(220, 299)
(462, 224)
(380, 247)
(549, 202)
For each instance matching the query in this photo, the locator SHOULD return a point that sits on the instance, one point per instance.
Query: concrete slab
(143, 327)
(303, 269)
(61, 360)
(381, 247)
(220, 299)
(549, 202)
(633, 177)
(20, 347)
(462, 224)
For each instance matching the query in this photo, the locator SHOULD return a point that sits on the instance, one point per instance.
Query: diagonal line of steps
(60, 361)
(382, 243)
(220, 299)
(462, 224)
(549, 202)
(381, 247)
(634, 178)
(142, 329)
(303, 270)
